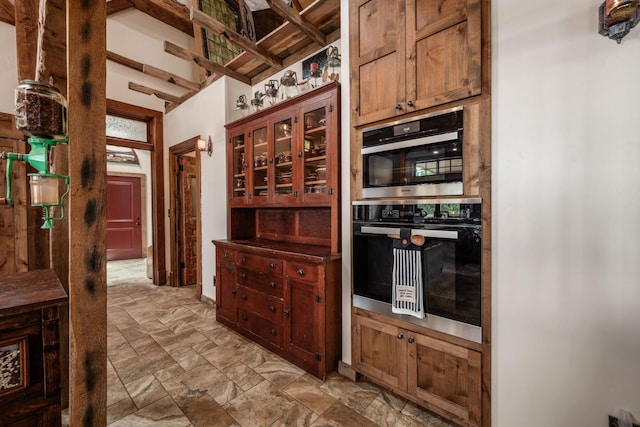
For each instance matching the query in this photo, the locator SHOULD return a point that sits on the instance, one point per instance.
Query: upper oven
(420, 157)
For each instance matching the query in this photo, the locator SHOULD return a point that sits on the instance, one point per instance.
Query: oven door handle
(409, 143)
(437, 234)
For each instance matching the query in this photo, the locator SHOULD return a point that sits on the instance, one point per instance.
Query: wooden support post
(86, 97)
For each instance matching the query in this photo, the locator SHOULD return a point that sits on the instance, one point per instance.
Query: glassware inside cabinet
(315, 151)
(283, 158)
(260, 156)
(239, 166)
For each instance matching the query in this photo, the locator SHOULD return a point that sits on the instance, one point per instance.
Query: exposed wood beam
(298, 21)
(297, 5)
(203, 62)
(114, 6)
(7, 12)
(151, 91)
(168, 11)
(236, 39)
(123, 60)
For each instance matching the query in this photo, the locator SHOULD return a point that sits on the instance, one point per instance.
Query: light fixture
(41, 114)
(617, 18)
(203, 145)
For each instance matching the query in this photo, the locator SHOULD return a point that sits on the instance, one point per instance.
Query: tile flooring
(170, 364)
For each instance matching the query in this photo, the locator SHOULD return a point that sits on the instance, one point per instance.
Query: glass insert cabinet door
(315, 151)
(260, 162)
(282, 158)
(239, 167)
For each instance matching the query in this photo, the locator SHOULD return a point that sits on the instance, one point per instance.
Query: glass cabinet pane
(239, 166)
(315, 151)
(260, 156)
(283, 158)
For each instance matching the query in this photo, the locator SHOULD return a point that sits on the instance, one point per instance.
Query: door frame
(176, 151)
(143, 202)
(155, 144)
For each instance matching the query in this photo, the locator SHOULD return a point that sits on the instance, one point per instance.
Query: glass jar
(40, 110)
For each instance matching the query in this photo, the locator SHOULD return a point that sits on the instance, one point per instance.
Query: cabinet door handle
(272, 308)
(244, 259)
(301, 271)
(411, 340)
(243, 296)
(400, 335)
(273, 332)
(273, 285)
(244, 275)
(233, 291)
(286, 313)
(272, 264)
(398, 107)
(244, 317)
(270, 159)
(410, 103)
(226, 255)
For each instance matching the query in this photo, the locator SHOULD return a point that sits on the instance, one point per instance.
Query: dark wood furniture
(408, 58)
(30, 304)
(278, 275)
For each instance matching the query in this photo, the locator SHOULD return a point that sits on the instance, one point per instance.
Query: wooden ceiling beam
(168, 11)
(203, 62)
(114, 6)
(298, 21)
(123, 60)
(7, 12)
(151, 91)
(236, 39)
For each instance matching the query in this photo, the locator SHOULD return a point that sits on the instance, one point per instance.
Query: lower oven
(448, 238)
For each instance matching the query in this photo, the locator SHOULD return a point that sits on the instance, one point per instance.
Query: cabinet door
(226, 291)
(380, 352)
(377, 59)
(237, 167)
(282, 184)
(443, 51)
(446, 377)
(304, 324)
(259, 176)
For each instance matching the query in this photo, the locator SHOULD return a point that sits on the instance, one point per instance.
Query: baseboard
(208, 300)
(345, 370)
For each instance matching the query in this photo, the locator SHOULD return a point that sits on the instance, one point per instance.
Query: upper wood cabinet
(407, 55)
(288, 154)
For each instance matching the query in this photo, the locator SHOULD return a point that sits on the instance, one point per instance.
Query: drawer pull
(233, 291)
(411, 340)
(400, 335)
(244, 259)
(244, 275)
(272, 264)
(272, 308)
(273, 332)
(244, 317)
(273, 285)
(226, 255)
(243, 296)
(301, 271)
(286, 313)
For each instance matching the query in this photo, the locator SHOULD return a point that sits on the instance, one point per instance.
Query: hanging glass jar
(40, 110)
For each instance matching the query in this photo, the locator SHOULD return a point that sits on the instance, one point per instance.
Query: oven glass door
(451, 272)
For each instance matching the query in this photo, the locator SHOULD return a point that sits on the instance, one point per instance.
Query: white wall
(204, 115)
(8, 67)
(566, 248)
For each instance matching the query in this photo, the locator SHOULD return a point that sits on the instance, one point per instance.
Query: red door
(124, 205)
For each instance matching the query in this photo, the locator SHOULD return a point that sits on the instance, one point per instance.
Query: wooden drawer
(302, 271)
(264, 329)
(268, 307)
(266, 283)
(226, 255)
(259, 263)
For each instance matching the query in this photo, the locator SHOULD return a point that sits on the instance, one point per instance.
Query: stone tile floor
(171, 364)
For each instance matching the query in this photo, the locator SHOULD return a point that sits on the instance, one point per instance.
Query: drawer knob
(400, 335)
(411, 340)
(244, 275)
(286, 313)
(273, 332)
(244, 259)
(272, 308)
(272, 264)
(398, 107)
(410, 103)
(273, 285)
(226, 255)
(301, 271)
(244, 317)
(233, 291)
(243, 296)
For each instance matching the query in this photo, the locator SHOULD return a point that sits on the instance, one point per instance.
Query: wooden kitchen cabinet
(442, 376)
(226, 305)
(408, 55)
(286, 297)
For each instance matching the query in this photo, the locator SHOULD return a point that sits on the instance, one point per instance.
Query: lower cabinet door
(304, 323)
(380, 352)
(446, 376)
(226, 292)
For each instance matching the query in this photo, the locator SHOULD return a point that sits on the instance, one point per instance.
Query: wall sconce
(203, 145)
(617, 18)
(41, 114)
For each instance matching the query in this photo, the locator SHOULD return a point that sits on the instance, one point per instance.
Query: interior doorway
(186, 241)
(124, 217)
